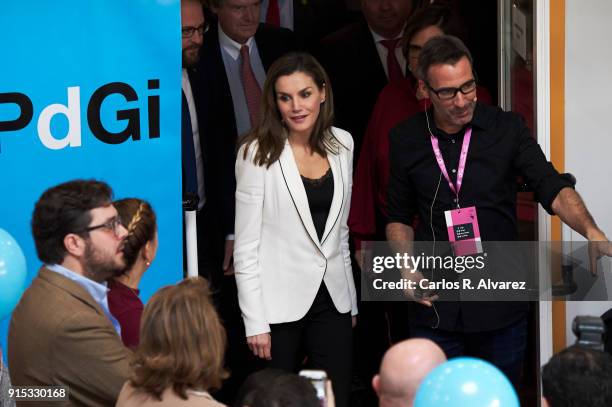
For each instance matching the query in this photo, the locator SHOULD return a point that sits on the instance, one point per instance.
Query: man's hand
(354, 321)
(599, 246)
(424, 297)
(261, 345)
(228, 264)
(400, 239)
(568, 205)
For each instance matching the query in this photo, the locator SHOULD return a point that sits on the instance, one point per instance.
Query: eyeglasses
(450, 93)
(112, 225)
(187, 32)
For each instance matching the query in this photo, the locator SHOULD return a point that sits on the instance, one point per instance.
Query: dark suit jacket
(187, 133)
(218, 130)
(357, 76)
(314, 19)
(59, 336)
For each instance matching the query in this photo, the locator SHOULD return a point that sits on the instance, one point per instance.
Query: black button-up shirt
(501, 148)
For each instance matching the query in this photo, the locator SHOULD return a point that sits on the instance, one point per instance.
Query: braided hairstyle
(140, 221)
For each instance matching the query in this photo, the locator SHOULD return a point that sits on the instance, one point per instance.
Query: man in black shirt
(429, 177)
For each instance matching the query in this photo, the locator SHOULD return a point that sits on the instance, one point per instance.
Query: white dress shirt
(230, 51)
(195, 129)
(285, 8)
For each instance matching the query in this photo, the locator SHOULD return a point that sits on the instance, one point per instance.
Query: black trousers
(324, 336)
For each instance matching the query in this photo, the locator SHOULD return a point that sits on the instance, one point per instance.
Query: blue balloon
(13, 273)
(464, 382)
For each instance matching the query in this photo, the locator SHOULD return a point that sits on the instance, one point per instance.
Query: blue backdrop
(53, 49)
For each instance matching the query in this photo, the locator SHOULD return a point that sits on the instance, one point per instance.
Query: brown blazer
(59, 335)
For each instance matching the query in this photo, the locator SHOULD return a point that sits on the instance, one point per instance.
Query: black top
(320, 193)
(500, 149)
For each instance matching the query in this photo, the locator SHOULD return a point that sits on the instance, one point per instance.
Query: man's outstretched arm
(570, 207)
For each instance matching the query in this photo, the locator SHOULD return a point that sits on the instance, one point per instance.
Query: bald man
(403, 368)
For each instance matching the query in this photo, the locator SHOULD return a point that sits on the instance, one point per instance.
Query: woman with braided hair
(139, 249)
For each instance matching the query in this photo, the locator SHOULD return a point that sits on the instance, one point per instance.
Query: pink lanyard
(462, 159)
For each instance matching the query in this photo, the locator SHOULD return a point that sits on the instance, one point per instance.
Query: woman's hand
(359, 255)
(228, 257)
(261, 345)
(354, 321)
(329, 394)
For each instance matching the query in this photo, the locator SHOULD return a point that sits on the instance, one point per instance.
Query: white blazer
(279, 261)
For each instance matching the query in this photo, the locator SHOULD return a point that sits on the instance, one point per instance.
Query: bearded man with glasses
(462, 158)
(61, 332)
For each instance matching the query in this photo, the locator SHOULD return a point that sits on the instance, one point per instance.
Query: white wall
(588, 120)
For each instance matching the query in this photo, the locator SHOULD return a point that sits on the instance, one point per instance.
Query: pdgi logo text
(72, 112)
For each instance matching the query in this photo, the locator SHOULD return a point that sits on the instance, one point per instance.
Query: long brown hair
(270, 133)
(182, 342)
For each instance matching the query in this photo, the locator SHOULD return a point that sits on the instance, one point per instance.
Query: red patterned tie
(273, 13)
(252, 91)
(393, 68)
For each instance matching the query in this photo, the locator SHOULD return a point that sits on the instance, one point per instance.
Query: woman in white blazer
(291, 255)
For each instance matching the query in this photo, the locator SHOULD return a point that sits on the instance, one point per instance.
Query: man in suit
(193, 26)
(234, 59)
(309, 20)
(235, 55)
(62, 332)
(359, 63)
